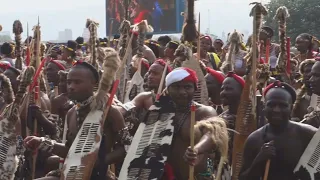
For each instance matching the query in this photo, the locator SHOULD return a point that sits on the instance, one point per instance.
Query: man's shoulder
(143, 95)
(257, 134)
(206, 111)
(304, 128)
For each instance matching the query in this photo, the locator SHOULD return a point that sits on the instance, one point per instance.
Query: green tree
(304, 17)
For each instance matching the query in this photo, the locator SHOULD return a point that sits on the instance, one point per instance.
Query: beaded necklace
(179, 122)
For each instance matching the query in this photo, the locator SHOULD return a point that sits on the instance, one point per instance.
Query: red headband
(220, 78)
(134, 32)
(270, 86)
(163, 63)
(237, 78)
(62, 67)
(192, 76)
(207, 37)
(4, 65)
(282, 85)
(146, 65)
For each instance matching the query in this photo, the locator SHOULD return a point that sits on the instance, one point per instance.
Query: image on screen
(160, 14)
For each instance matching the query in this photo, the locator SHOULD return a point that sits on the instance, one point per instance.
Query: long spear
(28, 47)
(37, 93)
(193, 110)
(246, 122)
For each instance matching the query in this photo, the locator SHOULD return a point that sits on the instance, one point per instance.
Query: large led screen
(163, 15)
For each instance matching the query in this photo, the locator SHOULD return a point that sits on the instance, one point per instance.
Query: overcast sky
(57, 15)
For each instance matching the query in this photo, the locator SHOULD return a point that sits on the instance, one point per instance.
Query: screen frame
(179, 19)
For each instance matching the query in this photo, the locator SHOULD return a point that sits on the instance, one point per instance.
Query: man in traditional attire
(181, 84)
(210, 59)
(69, 53)
(281, 141)
(82, 78)
(7, 53)
(304, 44)
(169, 50)
(313, 117)
(304, 97)
(214, 80)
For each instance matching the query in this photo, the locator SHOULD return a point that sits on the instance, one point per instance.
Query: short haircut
(82, 64)
(6, 48)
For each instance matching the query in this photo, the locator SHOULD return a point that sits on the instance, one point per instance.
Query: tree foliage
(304, 17)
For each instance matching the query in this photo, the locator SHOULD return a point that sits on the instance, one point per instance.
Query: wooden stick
(162, 80)
(56, 91)
(266, 171)
(254, 62)
(37, 96)
(123, 66)
(198, 45)
(288, 68)
(113, 168)
(35, 133)
(192, 123)
(193, 110)
(267, 51)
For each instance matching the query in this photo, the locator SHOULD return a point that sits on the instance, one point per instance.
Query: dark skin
(217, 46)
(315, 78)
(169, 53)
(302, 44)
(133, 67)
(205, 45)
(146, 99)
(60, 105)
(52, 73)
(67, 56)
(304, 104)
(263, 37)
(214, 89)
(154, 76)
(80, 87)
(54, 54)
(275, 140)
(48, 126)
(182, 93)
(231, 91)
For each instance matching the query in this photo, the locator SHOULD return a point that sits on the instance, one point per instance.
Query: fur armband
(125, 138)
(46, 145)
(216, 128)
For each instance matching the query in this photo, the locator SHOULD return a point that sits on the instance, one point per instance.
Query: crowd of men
(166, 86)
